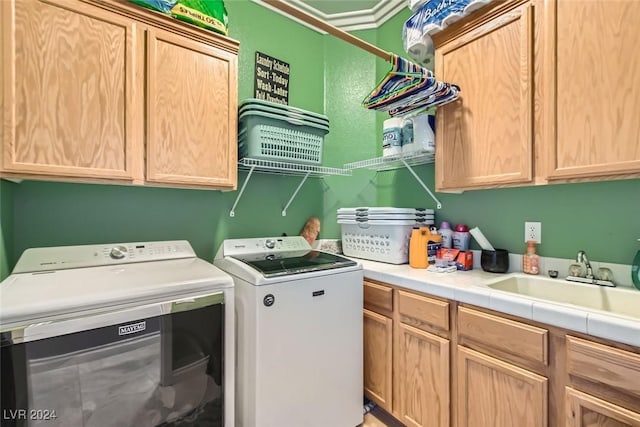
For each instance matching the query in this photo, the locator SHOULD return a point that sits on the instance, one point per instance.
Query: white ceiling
(350, 15)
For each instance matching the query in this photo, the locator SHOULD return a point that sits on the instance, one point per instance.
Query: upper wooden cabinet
(92, 88)
(486, 137)
(191, 107)
(549, 94)
(69, 101)
(592, 88)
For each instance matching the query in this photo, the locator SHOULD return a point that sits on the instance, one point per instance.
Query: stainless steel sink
(624, 302)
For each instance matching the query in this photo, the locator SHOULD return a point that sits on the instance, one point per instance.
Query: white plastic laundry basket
(378, 240)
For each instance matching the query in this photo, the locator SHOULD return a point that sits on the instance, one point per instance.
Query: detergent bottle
(418, 247)
(434, 243)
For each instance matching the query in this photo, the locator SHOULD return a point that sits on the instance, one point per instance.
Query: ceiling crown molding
(348, 21)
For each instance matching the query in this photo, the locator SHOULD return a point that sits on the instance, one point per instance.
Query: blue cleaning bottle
(635, 270)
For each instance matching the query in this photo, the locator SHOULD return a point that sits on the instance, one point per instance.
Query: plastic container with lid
(446, 233)
(461, 237)
(366, 210)
(531, 260)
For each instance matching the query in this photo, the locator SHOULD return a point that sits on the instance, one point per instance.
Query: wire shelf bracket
(415, 175)
(283, 168)
(398, 161)
(232, 213)
(295, 193)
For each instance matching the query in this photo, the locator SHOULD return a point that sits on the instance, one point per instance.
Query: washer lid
(307, 262)
(44, 296)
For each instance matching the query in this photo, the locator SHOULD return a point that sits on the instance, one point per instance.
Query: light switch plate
(533, 231)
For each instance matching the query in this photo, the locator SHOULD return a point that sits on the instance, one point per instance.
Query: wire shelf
(284, 168)
(397, 161)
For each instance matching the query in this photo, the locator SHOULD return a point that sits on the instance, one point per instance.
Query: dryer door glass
(145, 371)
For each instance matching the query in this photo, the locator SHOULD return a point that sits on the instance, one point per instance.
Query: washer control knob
(118, 252)
(270, 243)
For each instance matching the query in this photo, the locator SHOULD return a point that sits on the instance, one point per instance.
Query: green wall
(51, 214)
(332, 77)
(259, 29)
(349, 77)
(602, 218)
(6, 227)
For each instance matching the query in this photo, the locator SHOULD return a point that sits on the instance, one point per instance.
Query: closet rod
(325, 26)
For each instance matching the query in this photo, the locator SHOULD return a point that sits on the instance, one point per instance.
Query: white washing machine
(129, 334)
(298, 333)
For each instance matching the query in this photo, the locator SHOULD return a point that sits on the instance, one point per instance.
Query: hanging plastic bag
(209, 14)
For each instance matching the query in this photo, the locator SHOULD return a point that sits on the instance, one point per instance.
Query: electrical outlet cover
(533, 231)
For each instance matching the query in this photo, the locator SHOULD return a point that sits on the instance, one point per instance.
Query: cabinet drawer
(602, 364)
(421, 311)
(378, 298)
(507, 336)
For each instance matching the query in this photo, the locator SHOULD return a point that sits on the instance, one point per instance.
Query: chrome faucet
(581, 258)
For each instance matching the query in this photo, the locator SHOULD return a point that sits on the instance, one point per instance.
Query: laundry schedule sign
(272, 79)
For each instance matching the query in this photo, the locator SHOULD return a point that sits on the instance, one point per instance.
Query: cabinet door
(70, 103)
(191, 112)
(584, 410)
(493, 393)
(378, 332)
(486, 138)
(423, 378)
(592, 91)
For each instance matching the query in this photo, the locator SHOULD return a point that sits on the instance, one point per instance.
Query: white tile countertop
(472, 287)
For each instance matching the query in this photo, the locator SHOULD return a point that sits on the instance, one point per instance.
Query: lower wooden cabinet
(584, 410)
(406, 355)
(493, 393)
(378, 335)
(423, 382)
(431, 362)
